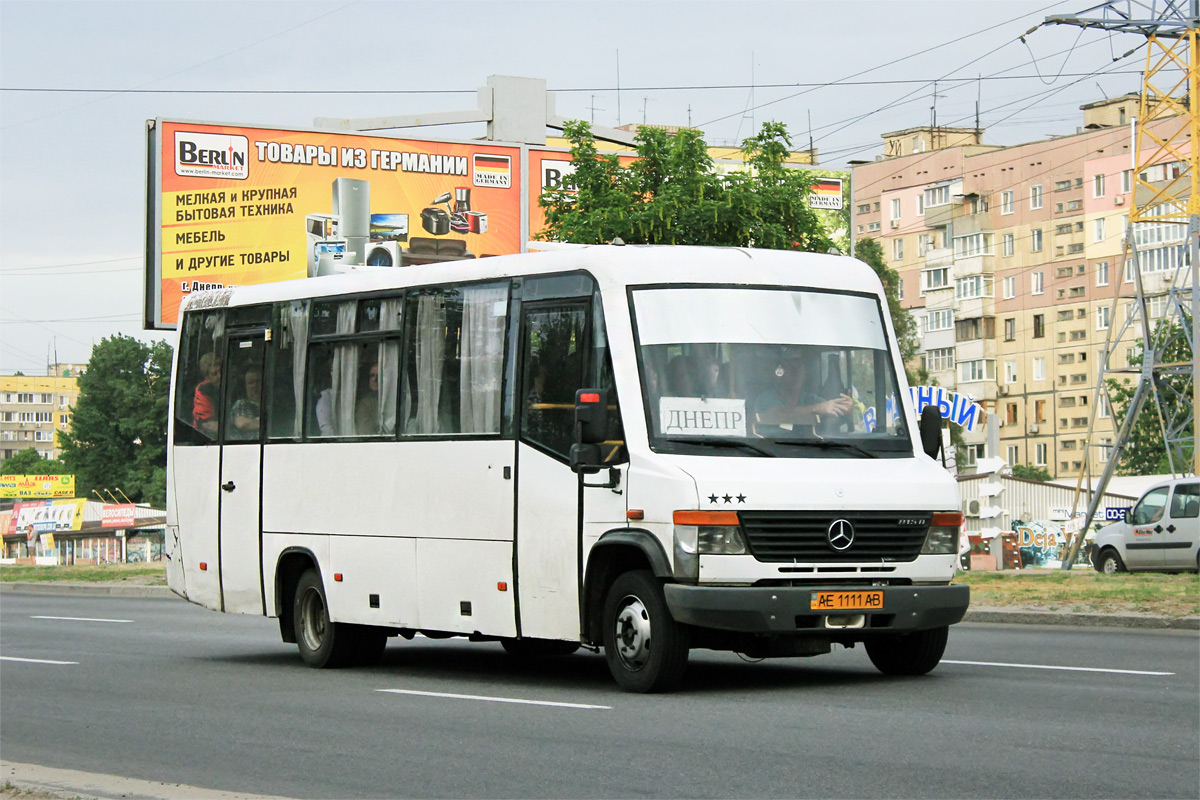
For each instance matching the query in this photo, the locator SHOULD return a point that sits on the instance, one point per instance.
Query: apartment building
(1010, 258)
(34, 409)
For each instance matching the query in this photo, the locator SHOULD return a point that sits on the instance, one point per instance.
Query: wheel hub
(312, 620)
(633, 634)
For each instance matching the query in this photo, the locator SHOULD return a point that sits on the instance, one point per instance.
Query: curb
(88, 589)
(1015, 617)
(983, 615)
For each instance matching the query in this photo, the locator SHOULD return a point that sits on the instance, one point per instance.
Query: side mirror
(585, 458)
(591, 416)
(1125, 514)
(931, 430)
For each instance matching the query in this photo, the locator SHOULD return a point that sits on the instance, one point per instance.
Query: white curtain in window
(345, 373)
(295, 324)
(430, 351)
(482, 365)
(389, 365)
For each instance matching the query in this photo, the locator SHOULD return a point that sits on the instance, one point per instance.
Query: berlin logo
(841, 534)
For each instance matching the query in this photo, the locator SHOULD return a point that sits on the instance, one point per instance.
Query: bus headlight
(944, 530)
(700, 533)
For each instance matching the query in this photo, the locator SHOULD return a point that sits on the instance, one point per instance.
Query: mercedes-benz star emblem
(841, 534)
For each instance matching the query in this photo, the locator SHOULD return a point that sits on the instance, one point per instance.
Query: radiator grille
(803, 536)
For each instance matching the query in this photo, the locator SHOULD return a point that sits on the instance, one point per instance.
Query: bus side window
(552, 372)
(198, 379)
(600, 375)
(284, 388)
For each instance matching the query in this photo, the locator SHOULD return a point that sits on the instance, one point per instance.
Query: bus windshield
(767, 373)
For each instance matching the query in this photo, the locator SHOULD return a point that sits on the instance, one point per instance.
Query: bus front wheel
(646, 649)
(909, 654)
(322, 643)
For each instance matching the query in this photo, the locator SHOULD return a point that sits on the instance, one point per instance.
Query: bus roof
(613, 266)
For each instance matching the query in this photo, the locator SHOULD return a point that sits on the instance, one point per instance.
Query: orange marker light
(502, 586)
(337, 576)
(635, 513)
(589, 397)
(947, 519)
(204, 566)
(705, 518)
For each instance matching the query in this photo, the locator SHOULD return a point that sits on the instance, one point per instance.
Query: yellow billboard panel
(237, 205)
(32, 487)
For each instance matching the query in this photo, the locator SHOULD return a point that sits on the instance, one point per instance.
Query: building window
(1006, 202)
(937, 278)
(979, 369)
(1035, 196)
(1010, 374)
(1062, 186)
(895, 208)
(975, 244)
(941, 320)
(1098, 186)
(1038, 283)
(900, 288)
(924, 243)
(940, 359)
(1039, 326)
(1039, 369)
(967, 330)
(873, 226)
(1039, 454)
(921, 205)
(1012, 454)
(974, 286)
(1074, 249)
(1007, 246)
(1035, 240)
(1126, 181)
(1010, 287)
(897, 249)
(1103, 318)
(1102, 273)
(937, 196)
(1098, 232)
(1010, 329)
(865, 208)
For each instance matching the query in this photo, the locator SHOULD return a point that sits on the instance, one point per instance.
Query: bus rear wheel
(646, 649)
(323, 643)
(908, 654)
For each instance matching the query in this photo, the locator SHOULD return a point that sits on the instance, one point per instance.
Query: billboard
(232, 205)
(50, 516)
(29, 487)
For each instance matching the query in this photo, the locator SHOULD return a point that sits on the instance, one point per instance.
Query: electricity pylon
(1168, 131)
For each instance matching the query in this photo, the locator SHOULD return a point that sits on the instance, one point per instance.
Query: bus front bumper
(755, 609)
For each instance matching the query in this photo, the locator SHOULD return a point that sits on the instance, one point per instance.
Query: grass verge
(139, 574)
(1086, 591)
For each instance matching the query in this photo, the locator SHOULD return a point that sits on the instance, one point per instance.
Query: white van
(645, 449)
(1161, 532)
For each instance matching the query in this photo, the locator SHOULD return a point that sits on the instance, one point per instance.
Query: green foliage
(670, 195)
(30, 462)
(1030, 472)
(1145, 453)
(870, 252)
(118, 436)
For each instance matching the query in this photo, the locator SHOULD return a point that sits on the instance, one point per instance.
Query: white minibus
(636, 448)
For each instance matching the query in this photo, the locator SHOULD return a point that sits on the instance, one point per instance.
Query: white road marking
(1048, 666)
(35, 660)
(82, 619)
(496, 699)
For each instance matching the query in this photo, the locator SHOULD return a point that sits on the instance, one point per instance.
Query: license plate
(842, 601)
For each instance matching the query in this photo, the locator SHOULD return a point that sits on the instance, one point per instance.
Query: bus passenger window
(198, 378)
(553, 371)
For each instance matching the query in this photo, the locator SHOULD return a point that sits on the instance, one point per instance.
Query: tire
(323, 644)
(538, 648)
(908, 654)
(646, 649)
(1109, 562)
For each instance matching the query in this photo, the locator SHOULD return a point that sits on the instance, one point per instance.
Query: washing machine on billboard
(382, 254)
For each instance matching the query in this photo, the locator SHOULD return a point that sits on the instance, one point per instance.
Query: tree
(1145, 452)
(670, 195)
(870, 253)
(118, 436)
(30, 462)
(1030, 473)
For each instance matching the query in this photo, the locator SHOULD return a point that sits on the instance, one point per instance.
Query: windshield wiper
(827, 444)
(717, 441)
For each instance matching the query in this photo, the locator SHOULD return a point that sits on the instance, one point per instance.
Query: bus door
(557, 358)
(239, 489)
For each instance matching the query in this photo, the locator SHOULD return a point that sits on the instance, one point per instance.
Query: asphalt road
(163, 691)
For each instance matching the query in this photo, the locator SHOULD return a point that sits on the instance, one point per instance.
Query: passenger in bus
(707, 377)
(206, 399)
(680, 382)
(792, 401)
(366, 410)
(245, 412)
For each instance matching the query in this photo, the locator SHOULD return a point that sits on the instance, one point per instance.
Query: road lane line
(449, 696)
(82, 619)
(1066, 669)
(35, 660)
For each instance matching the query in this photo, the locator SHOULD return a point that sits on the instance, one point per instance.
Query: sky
(78, 80)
